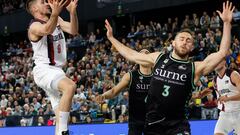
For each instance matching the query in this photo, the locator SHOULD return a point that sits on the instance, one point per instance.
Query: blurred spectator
(209, 109)
(3, 101)
(88, 119)
(40, 121)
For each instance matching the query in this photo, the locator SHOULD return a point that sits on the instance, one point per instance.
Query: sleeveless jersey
(138, 90)
(171, 89)
(225, 87)
(50, 49)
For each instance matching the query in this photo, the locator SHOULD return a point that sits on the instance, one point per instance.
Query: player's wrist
(228, 99)
(54, 15)
(73, 12)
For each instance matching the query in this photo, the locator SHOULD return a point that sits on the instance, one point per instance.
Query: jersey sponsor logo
(224, 91)
(182, 67)
(166, 61)
(142, 86)
(57, 37)
(170, 75)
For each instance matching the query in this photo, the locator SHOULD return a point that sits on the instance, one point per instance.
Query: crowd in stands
(22, 103)
(10, 6)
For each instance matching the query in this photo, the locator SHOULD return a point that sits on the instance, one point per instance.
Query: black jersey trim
(32, 21)
(176, 60)
(130, 83)
(193, 75)
(159, 56)
(221, 77)
(144, 74)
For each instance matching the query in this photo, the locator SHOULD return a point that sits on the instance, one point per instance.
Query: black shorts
(168, 127)
(135, 129)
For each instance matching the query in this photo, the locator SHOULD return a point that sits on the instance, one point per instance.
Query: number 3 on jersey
(165, 92)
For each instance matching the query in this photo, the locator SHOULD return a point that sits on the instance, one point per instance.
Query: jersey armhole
(130, 81)
(158, 58)
(229, 73)
(40, 37)
(193, 76)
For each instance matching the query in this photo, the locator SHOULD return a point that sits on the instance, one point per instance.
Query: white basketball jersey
(225, 87)
(50, 49)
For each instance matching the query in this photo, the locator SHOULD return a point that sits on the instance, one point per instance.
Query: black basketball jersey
(171, 88)
(138, 90)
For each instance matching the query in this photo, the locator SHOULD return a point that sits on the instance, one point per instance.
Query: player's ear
(192, 47)
(173, 43)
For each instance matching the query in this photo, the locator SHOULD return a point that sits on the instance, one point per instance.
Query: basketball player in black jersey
(138, 82)
(174, 77)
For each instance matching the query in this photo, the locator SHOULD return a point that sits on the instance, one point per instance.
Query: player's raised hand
(57, 6)
(109, 29)
(72, 6)
(227, 13)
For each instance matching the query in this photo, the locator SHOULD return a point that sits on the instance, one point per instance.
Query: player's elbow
(224, 53)
(47, 31)
(74, 33)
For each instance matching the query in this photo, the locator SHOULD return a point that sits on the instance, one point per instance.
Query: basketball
(68, 2)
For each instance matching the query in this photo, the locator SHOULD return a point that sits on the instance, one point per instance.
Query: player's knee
(70, 89)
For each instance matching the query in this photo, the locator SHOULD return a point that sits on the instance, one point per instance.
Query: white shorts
(227, 122)
(47, 77)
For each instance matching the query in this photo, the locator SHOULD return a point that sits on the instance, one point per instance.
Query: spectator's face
(26, 100)
(34, 100)
(40, 119)
(210, 97)
(89, 120)
(15, 103)
(26, 107)
(183, 44)
(74, 119)
(39, 96)
(9, 111)
(121, 118)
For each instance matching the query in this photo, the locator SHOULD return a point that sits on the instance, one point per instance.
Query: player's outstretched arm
(208, 65)
(115, 90)
(128, 53)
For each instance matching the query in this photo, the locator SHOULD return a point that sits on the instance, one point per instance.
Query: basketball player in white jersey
(49, 47)
(227, 83)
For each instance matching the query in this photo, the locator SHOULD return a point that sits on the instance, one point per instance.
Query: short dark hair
(185, 30)
(28, 5)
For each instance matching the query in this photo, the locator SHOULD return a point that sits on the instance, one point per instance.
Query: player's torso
(138, 90)
(50, 49)
(171, 86)
(225, 87)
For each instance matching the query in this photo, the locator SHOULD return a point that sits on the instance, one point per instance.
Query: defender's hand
(71, 8)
